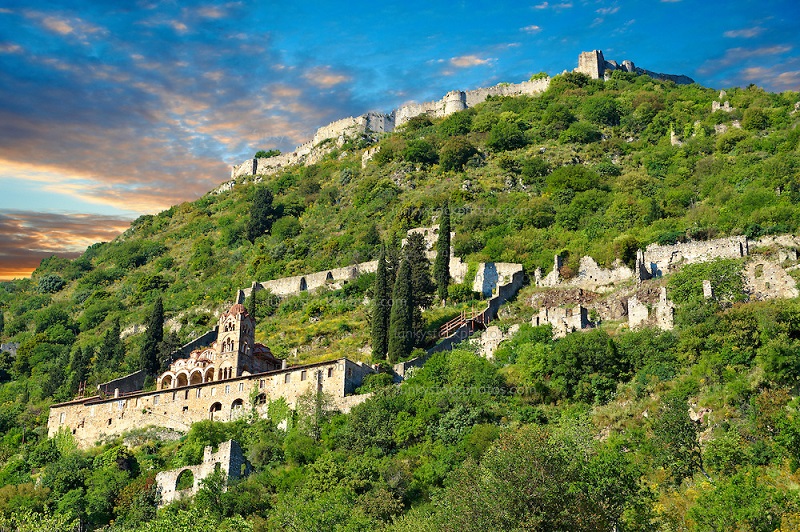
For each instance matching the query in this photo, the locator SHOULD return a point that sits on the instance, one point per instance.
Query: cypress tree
(441, 266)
(262, 214)
(401, 324)
(2, 323)
(422, 287)
(252, 302)
(393, 252)
(111, 351)
(381, 311)
(148, 359)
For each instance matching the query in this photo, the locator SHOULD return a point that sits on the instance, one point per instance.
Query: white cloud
(533, 28)
(745, 33)
(466, 61)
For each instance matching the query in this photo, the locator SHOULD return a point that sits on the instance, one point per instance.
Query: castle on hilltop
(594, 65)
(591, 63)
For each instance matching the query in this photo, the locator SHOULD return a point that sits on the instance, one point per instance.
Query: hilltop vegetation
(586, 168)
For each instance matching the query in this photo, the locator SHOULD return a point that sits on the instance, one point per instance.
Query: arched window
(196, 378)
(182, 380)
(166, 382)
(237, 409)
(227, 345)
(209, 374)
(216, 407)
(303, 284)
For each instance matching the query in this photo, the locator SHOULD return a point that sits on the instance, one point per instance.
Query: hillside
(586, 168)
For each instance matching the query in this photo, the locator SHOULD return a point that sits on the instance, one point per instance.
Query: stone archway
(166, 382)
(303, 284)
(237, 408)
(209, 375)
(182, 380)
(216, 407)
(185, 480)
(196, 377)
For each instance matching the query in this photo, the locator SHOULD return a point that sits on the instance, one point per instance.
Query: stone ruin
(228, 460)
(661, 315)
(563, 320)
(720, 106)
(594, 65)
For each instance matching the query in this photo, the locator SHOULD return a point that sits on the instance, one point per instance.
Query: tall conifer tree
(381, 311)
(401, 321)
(422, 287)
(393, 253)
(441, 266)
(148, 359)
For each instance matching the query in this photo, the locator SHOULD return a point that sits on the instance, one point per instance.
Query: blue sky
(110, 112)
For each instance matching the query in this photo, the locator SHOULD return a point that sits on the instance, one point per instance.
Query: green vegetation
(693, 429)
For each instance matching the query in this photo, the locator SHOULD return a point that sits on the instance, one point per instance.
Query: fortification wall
(93, 419)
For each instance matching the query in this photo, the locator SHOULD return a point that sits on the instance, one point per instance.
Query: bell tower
(235, 341)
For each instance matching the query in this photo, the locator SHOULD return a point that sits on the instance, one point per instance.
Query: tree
(262, 154)
(148, 359)
(381, 310)
(252, 303)
(441, 266)
(676, 435)
(2, 323)
(262, 214)
(505, 136)
(455, 153)
(50, 283)
(112, 350)
(401, 320)
(393, 252)
(422, 287)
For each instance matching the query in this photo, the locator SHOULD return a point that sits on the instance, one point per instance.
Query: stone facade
(96, 418)
(228, 459)
(590, 275)
(563, 320)
(662, 314)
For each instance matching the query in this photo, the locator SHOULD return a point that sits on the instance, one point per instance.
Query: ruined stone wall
(765, 279)
(592, 64)
(660, 260)
(229, 459)
(562, 320)
(662, 315)
(491, 275)
(93, 419)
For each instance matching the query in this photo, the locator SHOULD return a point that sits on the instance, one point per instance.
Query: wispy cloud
(533, 28)
(608, 10)
(744, 33)
(548, 5)
(324, 77)
(736, 55)
(466, 61)
(28, 237)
